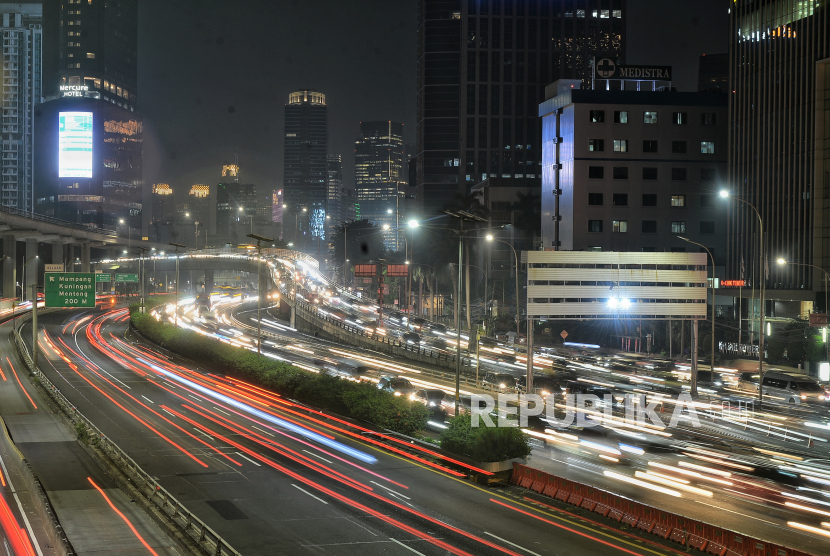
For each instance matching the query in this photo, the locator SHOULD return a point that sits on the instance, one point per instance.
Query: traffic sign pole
(71, 290)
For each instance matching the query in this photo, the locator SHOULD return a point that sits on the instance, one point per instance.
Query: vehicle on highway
(396, 385)
(433, 398)
(416, 323)
(576, 387)
(793, 388)
(542, 385)
(500, 381)
(709, 378)
(344, 371)
(412, 338)
(438, 328)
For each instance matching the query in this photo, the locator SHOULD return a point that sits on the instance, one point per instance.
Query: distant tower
(305, 173)
(334, 189)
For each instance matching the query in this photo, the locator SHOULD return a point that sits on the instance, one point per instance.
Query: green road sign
(70, 289)
(126, 277)
(101, 277)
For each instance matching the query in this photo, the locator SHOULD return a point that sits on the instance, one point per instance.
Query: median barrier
(688, 532)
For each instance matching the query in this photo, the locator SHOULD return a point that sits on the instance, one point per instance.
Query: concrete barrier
(688, 532)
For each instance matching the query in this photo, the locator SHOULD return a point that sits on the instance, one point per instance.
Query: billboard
(366, 270)
(276, 206)
(75, 145)
(397, 270)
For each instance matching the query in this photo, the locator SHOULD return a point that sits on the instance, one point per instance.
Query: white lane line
(262, 430)
(390, 490)
(195, 398)
(307, 492)
(202, 432)
(407, 547)
(19, 505)
(146, 398)
(320, 457)
(220, 411)
(247, 458)
(512, 544)
(739, 513)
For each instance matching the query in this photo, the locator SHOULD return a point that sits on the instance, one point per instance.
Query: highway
(270, 476)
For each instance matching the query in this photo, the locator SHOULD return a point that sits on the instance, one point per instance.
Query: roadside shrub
(484, 443)
(357, 400)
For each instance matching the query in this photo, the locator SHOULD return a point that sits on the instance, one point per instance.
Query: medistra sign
(607, 68)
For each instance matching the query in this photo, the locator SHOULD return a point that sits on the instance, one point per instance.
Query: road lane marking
(320, 457)
(220, 411)
(20, 506)
(390, 490)
(249, 459)
(195, 398)
(739, 513)
(406, 547)
(262, 430)
(307, 492)
(202, 432)
(512, 544)
(146, 398)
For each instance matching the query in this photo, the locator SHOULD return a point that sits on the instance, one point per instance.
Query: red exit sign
(733, 283)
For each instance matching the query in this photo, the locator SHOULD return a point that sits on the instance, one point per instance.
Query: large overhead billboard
(75, 145)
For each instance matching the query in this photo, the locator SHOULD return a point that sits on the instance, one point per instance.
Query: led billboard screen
(75, 145)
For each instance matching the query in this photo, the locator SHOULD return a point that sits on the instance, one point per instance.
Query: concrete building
(22, 90)
(632, 170)
(334, 191)
(713, 73)
(482, 71)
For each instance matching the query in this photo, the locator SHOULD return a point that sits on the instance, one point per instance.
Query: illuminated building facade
(235, 202)
(305, 162)
(482, 69)
(334, 190)
(379, 176)
(779, 157)
(22, 90)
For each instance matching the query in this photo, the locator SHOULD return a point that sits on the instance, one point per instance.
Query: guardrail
(49, 220)
(196, 529)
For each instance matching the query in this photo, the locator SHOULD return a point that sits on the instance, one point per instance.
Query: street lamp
(129, 232)
(259, 240)
(761, 286)
(712, 362)
(490, 237)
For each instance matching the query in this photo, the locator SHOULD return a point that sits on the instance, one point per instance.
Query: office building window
(594, 248)
(620, 172)
(678, 147)
(594, 225)
(620, 199)
(650, 146)
(649, 173)
(620, 116)
(596, 172)
(678, 174)
(707, 201)
(649, 117)
(678, 200)
(649, 199)
(620, 145)
(679, 118)
(596, 145)
(620, 226)
(707, 147)
(597, 116)
(708, 118)
(595, 199)
(678, 227)
(649, 226)
(707, 227)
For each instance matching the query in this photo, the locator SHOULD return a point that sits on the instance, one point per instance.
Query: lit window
(620, 226)
(678, 200)
(90, 55)
(649, 117)
(455, 15)
(597, 116)
(678, 227)
(620, 145)
(620, 116)
(707, 147)
(618, 14)
(604, 14)
(596, 145)
(580, 13)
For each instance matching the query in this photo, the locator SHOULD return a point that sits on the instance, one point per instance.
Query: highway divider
(688, 532)
(185, 527)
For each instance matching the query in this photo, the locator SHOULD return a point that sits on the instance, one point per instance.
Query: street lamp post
(129, 232)
(176, 307)
(712, 362)
(23, 287)
(761, 288)
(259, 240)
(489, 237)
(826, 278)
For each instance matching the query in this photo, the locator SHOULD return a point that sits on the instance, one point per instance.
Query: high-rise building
(164, 212)
(91, 50)
(334, 190)
(482, 70)
(22, 83)
(779, 159)
(380, 180)
(305, 172)
(235, 202)
(713, 73)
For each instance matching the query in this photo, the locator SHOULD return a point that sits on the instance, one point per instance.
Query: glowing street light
(413, 224)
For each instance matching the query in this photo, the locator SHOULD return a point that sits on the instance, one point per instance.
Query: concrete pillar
(85, 257)
(197, 277)
(209, 281)
(9, 265)
(32, 265)
(57, 252)
(293, 320)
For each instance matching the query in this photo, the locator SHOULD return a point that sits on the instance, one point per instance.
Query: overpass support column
(9, 265)
(31, 266)
(84, 257)
(57, 252)
(293, 320)
(209, 281)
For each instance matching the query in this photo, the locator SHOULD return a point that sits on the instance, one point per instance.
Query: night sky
(214, 76)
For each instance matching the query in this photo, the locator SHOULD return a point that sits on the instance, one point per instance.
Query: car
(500, 381)
(438, 328)
(708, 378)
(412, 338)
(344, 371)
(748, 382)
(433, 398)
(792, 388)
(575, 387)
(416, 323)
(396, 385)
(542, 385)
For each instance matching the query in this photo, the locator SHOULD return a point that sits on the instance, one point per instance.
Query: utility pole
(259, 240)
(34, 325)
(176, 308)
